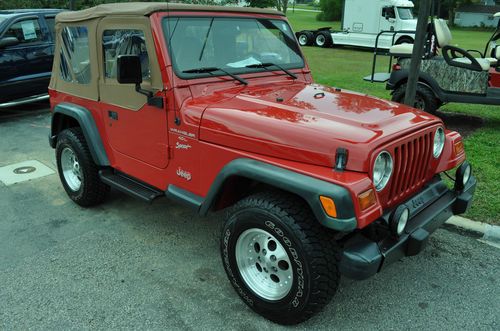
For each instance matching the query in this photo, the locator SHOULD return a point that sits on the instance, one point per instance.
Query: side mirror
(129, 69)
(8, 41)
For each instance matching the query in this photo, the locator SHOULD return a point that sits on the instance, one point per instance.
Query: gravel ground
(129, 265)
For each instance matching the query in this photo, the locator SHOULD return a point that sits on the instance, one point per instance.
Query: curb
(489, 232)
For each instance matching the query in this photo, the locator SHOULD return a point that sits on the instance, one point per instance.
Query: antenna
(177, 119)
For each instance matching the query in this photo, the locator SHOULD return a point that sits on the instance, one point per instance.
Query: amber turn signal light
(367, 199)
(459, 147)
(328, 205)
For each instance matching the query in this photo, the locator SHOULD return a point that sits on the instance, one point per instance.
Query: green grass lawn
(346, 67)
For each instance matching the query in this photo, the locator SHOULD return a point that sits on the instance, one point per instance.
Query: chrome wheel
(320, 40)
(303, 40)
(71, 169)
(264, 264)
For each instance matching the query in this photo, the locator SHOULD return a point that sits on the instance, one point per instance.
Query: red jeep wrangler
(216, 108)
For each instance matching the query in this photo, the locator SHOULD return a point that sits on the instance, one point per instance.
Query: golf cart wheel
(424, 98)
(305, 38)
(77, 170)
(278, 258)
(323, 39)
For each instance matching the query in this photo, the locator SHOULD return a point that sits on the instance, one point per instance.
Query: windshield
(231, 44)
(405, 13)
(2, 19)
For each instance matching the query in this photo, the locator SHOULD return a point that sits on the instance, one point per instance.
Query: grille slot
(411, 162)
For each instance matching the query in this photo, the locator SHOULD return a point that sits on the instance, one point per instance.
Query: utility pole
(418, 52)
(72, 4)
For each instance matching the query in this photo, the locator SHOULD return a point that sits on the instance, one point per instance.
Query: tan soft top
(147, 8)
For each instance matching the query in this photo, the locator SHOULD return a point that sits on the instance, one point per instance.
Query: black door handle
(113, 115)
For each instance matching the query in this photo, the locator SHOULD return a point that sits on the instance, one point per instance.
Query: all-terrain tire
(424, 99)
(312, 252)
(91, 190)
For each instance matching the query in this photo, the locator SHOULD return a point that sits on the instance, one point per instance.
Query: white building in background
(477, 15)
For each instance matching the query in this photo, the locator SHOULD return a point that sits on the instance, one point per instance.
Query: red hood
(306, 123)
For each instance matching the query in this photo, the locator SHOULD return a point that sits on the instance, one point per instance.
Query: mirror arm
(147, 93)
(152, 100)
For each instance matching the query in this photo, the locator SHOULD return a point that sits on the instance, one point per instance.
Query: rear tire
(323, 39)
(278, 258)
(305, 38)
(77, 170)
(424, 99)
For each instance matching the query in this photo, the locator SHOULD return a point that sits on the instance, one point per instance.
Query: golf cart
(447, 73)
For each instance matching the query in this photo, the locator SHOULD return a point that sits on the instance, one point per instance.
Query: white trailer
(362, 22)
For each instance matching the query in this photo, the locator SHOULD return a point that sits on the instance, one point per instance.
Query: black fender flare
(399, 77)
(306, 187)
(86, 123)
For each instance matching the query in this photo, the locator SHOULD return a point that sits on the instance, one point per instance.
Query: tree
(331, 10)
(282, 5)
(262, 3)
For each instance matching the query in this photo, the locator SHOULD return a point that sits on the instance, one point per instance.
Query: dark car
(27, 39)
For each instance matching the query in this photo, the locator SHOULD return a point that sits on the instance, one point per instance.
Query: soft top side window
(26, 31)
(116, 42)
(75, 53)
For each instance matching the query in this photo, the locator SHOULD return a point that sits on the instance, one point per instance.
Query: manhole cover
(24, 170)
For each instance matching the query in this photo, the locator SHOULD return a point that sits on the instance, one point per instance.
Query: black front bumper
(363, 257)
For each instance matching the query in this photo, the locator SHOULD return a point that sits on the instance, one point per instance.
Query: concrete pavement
(129, 265)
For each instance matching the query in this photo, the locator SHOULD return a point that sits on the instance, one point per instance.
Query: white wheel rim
(320, 40)
(302, 39)
(264, 264)
(71, 169)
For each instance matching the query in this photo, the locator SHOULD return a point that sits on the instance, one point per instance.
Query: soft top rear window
(231, 44)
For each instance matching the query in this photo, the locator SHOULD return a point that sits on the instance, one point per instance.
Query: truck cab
(216, 108)
(363, 21)
(26, 53)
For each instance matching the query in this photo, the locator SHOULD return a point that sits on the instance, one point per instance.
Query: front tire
(424, 98)
(278, 258)
(77, 170)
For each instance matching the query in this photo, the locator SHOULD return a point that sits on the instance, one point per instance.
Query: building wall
(475, 19)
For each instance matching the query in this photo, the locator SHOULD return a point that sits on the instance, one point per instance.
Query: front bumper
(429, 209)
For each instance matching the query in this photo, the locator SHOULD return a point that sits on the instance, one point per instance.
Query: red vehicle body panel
(293, 124)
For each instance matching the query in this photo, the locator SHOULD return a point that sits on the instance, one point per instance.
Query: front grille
(411, 163)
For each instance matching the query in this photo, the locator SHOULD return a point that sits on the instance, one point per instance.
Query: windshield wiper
(269, 64)
(211, 70)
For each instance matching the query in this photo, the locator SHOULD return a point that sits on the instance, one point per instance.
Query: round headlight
(439, 139)
(382, 170)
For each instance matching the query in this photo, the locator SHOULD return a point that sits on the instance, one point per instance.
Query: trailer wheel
(305, 38)
(424, 99)
(323, 39)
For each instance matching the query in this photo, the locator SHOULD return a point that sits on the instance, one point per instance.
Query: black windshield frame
(169, 29)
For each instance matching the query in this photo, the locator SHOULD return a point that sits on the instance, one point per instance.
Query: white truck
(362, 22)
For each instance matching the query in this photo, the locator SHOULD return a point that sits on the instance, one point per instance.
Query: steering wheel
(451, 52)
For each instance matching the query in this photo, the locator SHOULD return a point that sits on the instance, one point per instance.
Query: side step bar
(129, 185)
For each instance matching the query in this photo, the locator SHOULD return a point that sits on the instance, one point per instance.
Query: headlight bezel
(380, 181)
(439, 133)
